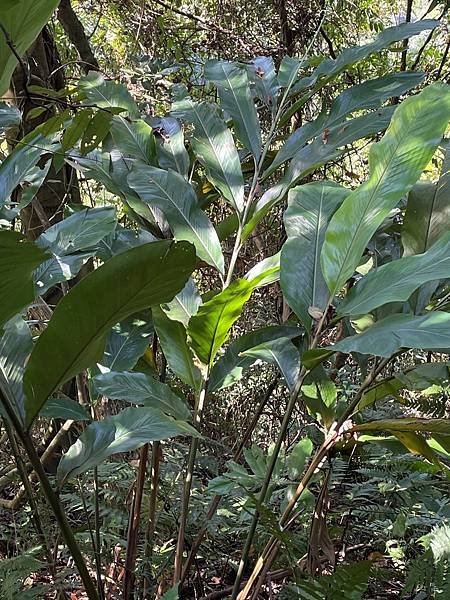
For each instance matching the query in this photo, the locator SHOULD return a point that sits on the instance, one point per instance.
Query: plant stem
(269, 554)
(133, 530)
(200, 402)
(236, 456)
(150, 533)
(51, 497)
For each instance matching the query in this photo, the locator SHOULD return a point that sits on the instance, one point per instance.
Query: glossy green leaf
(23, 20)
(16, 167)
(176, 198)
(282, 354)
(96, 131)
(59, 269)
(134, 139)
(395, 164)
(235, 97)
(267, 271)
(262, 73)
(139, 388)
(297, 458)
(370, 94)
(214, 147)
(210, 328)
(63, 407)
(9, 116)
(397, 280)
(173, 339)
(429, 332)
(107, 94)
(127, 342)
(75, 337)
(406, 424)
(18, 259)
(75, 131)
(315, 155)
(126, 431)
(170, 148)
(230, 367)
(16, 344)
(330, 68)
(184, 305)
(310, 208)
(427, 214)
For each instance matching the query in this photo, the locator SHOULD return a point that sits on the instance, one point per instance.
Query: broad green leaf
(417, 444)
(184, 305)
(406, 424)
(139, 388)
(176, 198)
(262, 73)
(330, 68)
(23, 20)
(427, 214)
(16, 344)
(170, 148)
(59, 269)
(122, 240)
(18, 259)
(209, 329)
(397, 280)
(429, 332)
(75, 337)
(370, 94)
(267, 271)
(127, 342)
(96, 131)
(288, 71)
(297, 458)
(107, 94)
(126, 431)
(16, 167)
(75, 131)
(214, 147)
(63, 407)
(171, 594)
(282, 354)
(315, 155)
(173, 339)
(9, 116)
(134, 139)
(310, 208)
(81, 230)
(235, 97)
(230, 367)
(395, 164)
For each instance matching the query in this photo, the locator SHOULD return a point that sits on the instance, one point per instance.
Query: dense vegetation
(224, 300)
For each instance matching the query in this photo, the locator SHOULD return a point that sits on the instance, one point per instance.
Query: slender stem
(30, 497)
(217, 498)
(98, 541)
(200, 402)
(133, 531)
(268, 555)
(151, 524)
(51, 497)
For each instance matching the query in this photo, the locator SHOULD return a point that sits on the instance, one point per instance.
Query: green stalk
(52, 498)
(198, 413)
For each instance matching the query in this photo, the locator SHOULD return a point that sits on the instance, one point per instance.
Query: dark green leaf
(395, 163)
(282, 354)
(236, 99)
(175, 197)
(128, 430)
(170, 148)
(63, 407)
(173, 340)
(184, 305)
(309, 210)
(75, 337)
(139, 388)
(384, 338)
(18, 259)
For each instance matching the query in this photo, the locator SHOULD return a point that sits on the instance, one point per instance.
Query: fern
(348, 582)
(14, 570)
